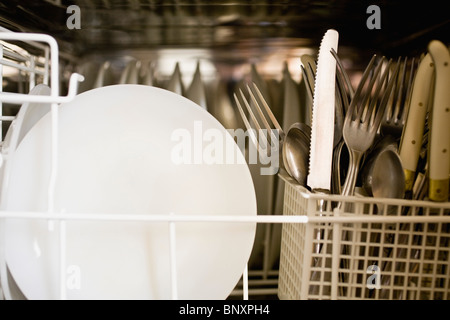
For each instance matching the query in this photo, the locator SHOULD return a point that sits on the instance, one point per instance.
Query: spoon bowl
(383, 176)
(387, 176)
(295, 151)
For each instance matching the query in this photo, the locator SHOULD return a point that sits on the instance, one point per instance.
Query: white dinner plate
(29, 114)
(119, 148)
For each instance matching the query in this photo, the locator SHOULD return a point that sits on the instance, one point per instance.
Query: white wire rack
(27, 63)
(297, 217)
(366, 248)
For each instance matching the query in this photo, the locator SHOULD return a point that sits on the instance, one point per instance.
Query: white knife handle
(439, 157)
(414, 126)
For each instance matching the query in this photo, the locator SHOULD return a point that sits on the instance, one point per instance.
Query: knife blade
(411, 141)
(323, 115)
(439, 154)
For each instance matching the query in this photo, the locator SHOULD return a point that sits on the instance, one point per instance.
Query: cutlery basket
(370, 249)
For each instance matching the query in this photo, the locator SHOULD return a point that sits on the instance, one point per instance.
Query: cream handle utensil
(439, 154)
(411, 142)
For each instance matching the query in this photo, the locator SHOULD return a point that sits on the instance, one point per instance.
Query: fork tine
(399, 94)
(241, 112)
(258, 108)
(269, 112)
(382, 80)
(344, 86)
(246, 122)
(389, 113)
(409, 90)
(312, 75)
(342, 92)
(273, 137)
(364, 77)
(309, 90)
(385, 97)
(250, 111)
(374, 78)
(343, 74)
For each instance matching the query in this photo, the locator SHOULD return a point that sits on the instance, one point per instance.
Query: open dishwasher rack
(305, 273)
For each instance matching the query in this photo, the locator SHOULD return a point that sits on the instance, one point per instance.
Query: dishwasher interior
(207, 51)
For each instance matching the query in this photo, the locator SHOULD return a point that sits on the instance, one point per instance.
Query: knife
(439, 154)
(411, 141)
(323, 115)
(322, 130)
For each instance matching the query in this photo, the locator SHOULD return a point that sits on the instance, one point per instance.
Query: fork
(276, 140)
(344, 92)
(364, 116)
(397, 109)
(361, 124)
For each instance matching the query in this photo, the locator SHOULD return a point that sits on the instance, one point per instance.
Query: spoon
(383, 175)
(295, 151)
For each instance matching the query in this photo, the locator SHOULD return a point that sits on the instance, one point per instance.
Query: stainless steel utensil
(264, 184)
(397, 109)
(344, 94)
(309, 68)
(296, 151)
(293, 156)
(292, 109)
(343, 79)
(361, 123)
(264, 147)
(382, 174)
(309, 73)
(364, 116)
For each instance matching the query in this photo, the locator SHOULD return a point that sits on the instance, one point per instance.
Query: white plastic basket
(374, 249)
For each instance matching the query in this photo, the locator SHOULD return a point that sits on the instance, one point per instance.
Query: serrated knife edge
(323, 115)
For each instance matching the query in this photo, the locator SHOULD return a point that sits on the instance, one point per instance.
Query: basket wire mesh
(389, 249)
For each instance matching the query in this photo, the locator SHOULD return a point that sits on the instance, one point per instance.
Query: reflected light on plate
(36, 248)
